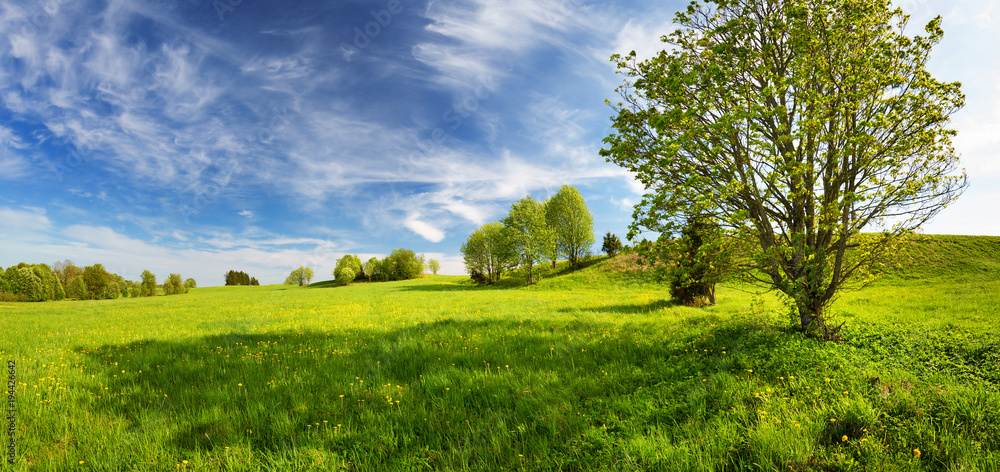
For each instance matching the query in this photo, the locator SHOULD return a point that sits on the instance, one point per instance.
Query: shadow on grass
(627, 308)
(447, 394)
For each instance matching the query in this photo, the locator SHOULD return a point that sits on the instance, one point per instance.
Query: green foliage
(571, 224)
(234, 277)
(611, 244)
(434, 266)
(5, 286)
(700, 261)
(300, 276)
(97, 280)
(135, 289)
(174, 285)
(403, 264)
(77, 289)
(751, 119)
(191, 283)
(373, 268)
(25, 282)
(148, 284)
(531, 235)
(489, 252)
(348, 267)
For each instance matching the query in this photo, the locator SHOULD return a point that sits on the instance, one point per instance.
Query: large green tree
(348, 267)
(571, 223)
(798, 124)
(532, 237)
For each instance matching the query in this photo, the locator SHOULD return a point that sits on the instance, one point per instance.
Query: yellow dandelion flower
(844, 438)
(833, 420)
(916, 453)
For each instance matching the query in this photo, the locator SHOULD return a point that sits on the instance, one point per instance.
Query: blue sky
(199, 136)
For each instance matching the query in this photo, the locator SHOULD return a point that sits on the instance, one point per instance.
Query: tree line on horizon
(25, 282)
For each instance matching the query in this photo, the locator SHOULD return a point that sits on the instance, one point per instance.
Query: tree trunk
(813, 323)
(531, 280)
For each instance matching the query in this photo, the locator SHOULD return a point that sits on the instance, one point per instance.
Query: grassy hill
(588, 370)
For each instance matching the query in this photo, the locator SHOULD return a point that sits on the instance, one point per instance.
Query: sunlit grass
(584, 371)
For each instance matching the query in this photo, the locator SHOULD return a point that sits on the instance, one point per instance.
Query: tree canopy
(490, 251)
(300, 276)
(795, 124)
(530, 232)
(571, 224)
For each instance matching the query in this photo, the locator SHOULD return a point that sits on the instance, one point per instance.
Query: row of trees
(40, 282)
(533, 231)
(234, 277)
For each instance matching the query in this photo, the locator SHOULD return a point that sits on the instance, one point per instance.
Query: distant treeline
(240, 278)
(40, 282)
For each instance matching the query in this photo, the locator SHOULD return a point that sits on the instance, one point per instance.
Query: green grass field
(589, 370)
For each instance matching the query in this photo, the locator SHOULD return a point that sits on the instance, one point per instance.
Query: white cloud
(424, 229)
(247, 214)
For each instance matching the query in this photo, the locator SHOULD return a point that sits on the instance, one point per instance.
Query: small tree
(348, 267)
(698, 265)
(532, 236)
(611, 244)
(571, 224)
(434, 266)
(190, 283)
(373, 268)
(148, 284)
(300, 276)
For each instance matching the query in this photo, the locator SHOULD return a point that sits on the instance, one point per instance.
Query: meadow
(588, 370)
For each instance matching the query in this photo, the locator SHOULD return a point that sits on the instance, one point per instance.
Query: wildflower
(833, 420)
(916, 453)
(844, 438)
